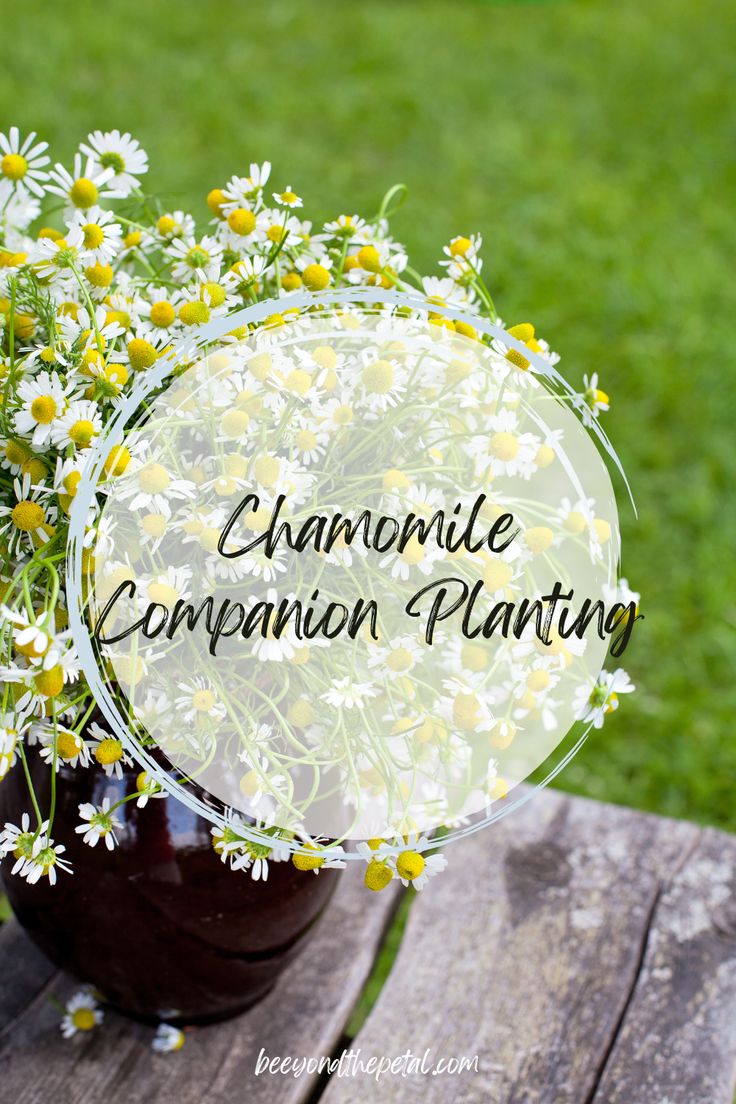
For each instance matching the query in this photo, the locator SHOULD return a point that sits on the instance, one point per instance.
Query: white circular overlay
(351, 581)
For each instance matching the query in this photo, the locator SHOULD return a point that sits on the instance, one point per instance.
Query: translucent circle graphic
(340, 576)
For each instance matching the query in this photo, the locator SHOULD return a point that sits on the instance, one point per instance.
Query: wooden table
(585, 953)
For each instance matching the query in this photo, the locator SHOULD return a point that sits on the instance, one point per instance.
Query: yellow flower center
(68, 744)
(539, 538)
(215, 293)
(195, 313)
(473, 657)
(413, 552)
(83, 193)
(276, 232)
(369, 258)
(497, 575)
(301, 713)
(315, 277)
(27, 516)
(14, 166)
(108, 751)
(377, 875)
(99, 275)
(460, 246)
(267, 470)
(410, 865)
(82, 432)
(298, 381)
(50, 683)
(241, 221)
(117, 460)
(292, 281)
(393, 479)
(249, 783)
(16, 452)
(203, 700)
(400, 659)
(154, 525)
(94, 235)
(162, 314)
(518, 359)
(43, 409)
(289, 197)
(378, 377)
(163, 593)
(166, 226)
(215, 200)
(141, 354)
(308, 862)
(504, 446)
(465, 710)
(83, 1019)
(154, 479)
(234, 423)
(575, 522)
(306, 440)
(35, 468)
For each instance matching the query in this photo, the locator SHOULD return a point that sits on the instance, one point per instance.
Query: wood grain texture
(24, 972)
(304, 1015)
(585, 953)
(677, 1043)
(526, 952)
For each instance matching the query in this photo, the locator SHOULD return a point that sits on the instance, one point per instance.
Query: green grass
(592, 144)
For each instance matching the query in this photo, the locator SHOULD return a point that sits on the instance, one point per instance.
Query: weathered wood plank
(305, 1014)
(525, 952)
(24, 971)
(678, 1038)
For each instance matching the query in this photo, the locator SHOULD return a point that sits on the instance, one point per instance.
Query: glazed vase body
(160, 926)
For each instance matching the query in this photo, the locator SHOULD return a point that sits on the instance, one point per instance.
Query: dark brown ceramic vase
(160, 925)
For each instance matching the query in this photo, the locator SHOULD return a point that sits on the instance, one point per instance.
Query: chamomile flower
(118, 154)
(198, 701)
(194, 258)
(318, 854)
(596, 401)
(27, 523)
(22, 163)
(147, 789)
(98, 823)
(44, 861)
(81, 1014)
(242, 190)
(43, 401)
(344, 693)
(81, 188)
(57, 259)
(150, 487)
(593, 706)
(108, 751)
(254, 857)
(413, 865)
(259, 784)
(345, 226)
(61, 745)
(101, 234)
(288, 198)
(12, 727)
(78, 426)
(167, 1039)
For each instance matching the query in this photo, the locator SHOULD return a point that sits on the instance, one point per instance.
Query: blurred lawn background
(592, 144)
